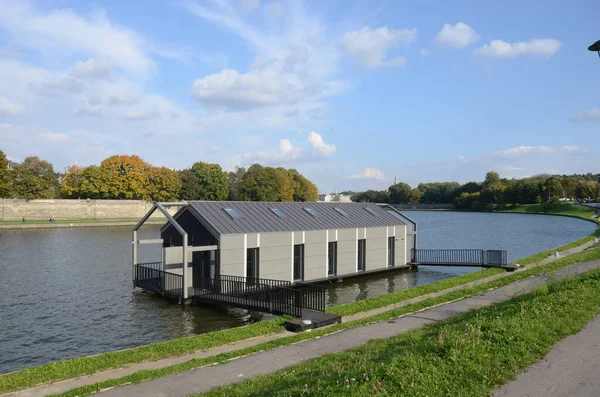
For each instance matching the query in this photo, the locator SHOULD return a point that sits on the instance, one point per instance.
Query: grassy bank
(195, 363)
(469, 355)
(564, 209)
(67, 369)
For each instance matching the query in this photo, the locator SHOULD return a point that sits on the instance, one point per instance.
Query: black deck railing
(273, 296)
(313, 296)
(223, 291)
(158, 281)
(459, 256)
(286, 300)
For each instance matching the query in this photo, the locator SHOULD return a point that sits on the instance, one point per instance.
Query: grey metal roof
(257, 217)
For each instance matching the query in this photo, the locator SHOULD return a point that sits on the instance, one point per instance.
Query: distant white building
(335, 198)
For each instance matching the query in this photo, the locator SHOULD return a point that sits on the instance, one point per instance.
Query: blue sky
(351, 93)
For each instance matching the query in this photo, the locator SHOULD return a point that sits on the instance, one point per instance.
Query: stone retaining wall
(15, 209)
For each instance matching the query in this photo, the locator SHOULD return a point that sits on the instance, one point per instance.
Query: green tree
(94, 183)
(415, 196)
(126, 177)
(33, 179)
(235, 184)
(553, 188)
(304, 190)
(190, 187)
(4, 176)
(569, 185)
(164, 184)
(213, 183)
(490, 187)
(263, 184)
(399, 193)
(471, 187)
(71, 184)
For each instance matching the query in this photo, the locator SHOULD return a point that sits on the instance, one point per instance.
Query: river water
(67, 292)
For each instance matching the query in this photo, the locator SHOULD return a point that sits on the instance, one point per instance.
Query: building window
(362, 255)
(332, 258)
(298, 262)
(252, 261)
(231, 212)
(341, 211)
(371, 210)
(311, 211)
(278, 212)
(391, 251)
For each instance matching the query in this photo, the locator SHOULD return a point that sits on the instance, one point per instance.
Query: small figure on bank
(23, 219)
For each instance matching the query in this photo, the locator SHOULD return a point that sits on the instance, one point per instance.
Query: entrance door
(204, 265)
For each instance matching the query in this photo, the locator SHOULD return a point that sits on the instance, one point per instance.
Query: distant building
(335, 198)
(12, 165)
(60, 176)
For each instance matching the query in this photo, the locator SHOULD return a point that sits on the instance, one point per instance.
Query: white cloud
(143, 114)
(522, 150)
(250, 3)
(535, 47)
(231, 89)
(93, 69)
(54, 137)
(91, 110)
(275, 9)
(123, 98)
(424, 52)
(456, 36)
(287, 152)
(64, 30)
(370, 173)
(370, 46)
(317, 142)
(58, 86)
(587, 116)
(7, 108)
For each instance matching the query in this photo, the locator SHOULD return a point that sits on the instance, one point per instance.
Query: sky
(352, 93)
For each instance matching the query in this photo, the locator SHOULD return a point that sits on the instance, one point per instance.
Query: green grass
(140, 376)
(564, 209)
(66, 369)
(469, 355)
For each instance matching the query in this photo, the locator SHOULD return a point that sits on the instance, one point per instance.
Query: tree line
(130, 177)
(493, 191)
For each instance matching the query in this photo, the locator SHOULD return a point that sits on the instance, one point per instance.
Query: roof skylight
(278, 212)
(371, 210)
(341, 211)
(311, 211)
(231, 212)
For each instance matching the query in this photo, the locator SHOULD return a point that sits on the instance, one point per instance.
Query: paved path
(206, 378)
(572, 369)
(63, 386)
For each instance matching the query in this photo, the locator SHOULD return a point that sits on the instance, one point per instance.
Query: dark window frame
(332, 259)
(362, 255)
(298, 260)
(391, 252)
(254, 254)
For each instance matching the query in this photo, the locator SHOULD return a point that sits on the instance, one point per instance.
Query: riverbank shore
(72, 223)
(357, 313)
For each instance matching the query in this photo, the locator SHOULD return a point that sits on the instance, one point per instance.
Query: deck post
(185, 266)
(134, 256)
